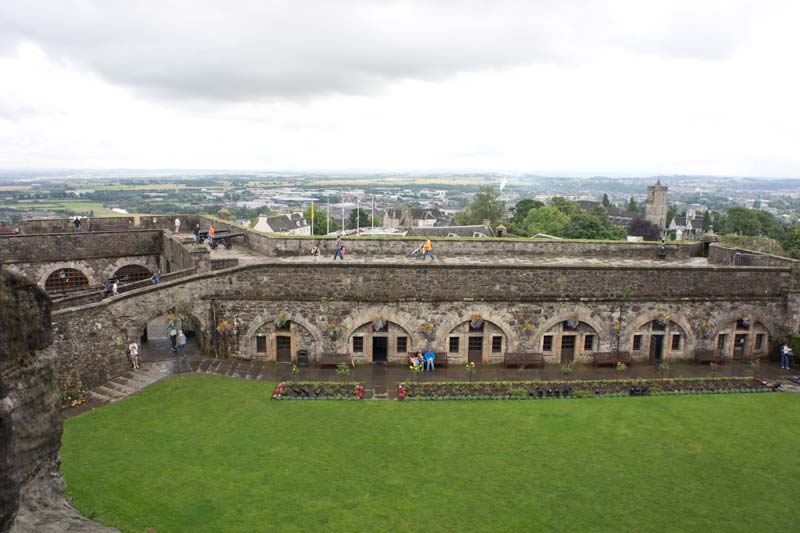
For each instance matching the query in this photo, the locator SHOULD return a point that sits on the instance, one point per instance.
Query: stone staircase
(132, 381)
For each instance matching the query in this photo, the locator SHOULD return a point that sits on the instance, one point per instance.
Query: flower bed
(534, 390)
(316, 390)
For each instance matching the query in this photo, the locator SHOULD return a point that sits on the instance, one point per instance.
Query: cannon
(203, 234)
(226, 240)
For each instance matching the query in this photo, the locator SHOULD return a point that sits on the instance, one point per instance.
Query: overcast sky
(561, 86)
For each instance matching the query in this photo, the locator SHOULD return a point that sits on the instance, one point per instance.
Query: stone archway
(487, 344)
(390, 345)
(565, 344)
(69, 266)
(310, 338)
(738, 340)
(676, 339)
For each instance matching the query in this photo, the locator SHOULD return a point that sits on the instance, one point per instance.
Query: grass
(80, 206)
(208, 453)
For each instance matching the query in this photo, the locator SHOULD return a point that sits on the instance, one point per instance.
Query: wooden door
(656, 348)
(739, 343)
(283, 344)
(379, 349)
(475, 350)
(567, 349)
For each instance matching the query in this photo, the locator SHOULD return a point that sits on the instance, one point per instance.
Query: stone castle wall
(91, 339)
(78, 246)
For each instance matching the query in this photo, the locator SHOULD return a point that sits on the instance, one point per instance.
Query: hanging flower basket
(747, 321)
(527, 328)
(333, 331)
(427, 330)
(224, 327)
(572, 322)
(662, 319)
(617, 325)
(704, 326)
(475, 322)
(281, 319)
(379, 323)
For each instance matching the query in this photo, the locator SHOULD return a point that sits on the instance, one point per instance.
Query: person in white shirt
(177, 225)
(133, 352)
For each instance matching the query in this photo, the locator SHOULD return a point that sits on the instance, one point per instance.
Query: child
(133, 352)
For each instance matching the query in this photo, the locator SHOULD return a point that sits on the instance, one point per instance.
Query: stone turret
(657, 205)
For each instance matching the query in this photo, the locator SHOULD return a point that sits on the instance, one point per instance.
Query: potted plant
(566, 370)
(416, 370)
(662, 319)
(281, 319)
(663, 367)
(342, 369)
(747, 321)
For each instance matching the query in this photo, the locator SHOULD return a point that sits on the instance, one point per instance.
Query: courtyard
(209, 453)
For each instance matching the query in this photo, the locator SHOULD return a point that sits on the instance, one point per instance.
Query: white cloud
(615, 87)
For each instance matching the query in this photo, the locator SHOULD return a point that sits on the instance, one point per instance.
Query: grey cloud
(233, 51)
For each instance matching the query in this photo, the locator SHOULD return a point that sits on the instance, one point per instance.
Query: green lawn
(208, 453)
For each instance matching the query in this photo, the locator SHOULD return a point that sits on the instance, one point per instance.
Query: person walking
(339, 249)
(177, 225)
(211, 235)
(156, 279)
(133, 353)
(115, 287)
(430, 357)
(197, 233)
(786, 355)
(428, 249)
(181, 342)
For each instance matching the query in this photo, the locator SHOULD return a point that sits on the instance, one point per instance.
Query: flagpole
(328, 218)
(372, 218)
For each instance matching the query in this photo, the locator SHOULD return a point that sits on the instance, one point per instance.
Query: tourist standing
(76, 225)
(156, 279)
(211, 235)
(339, 249)
(115, 287)
(428, 249)
(133, 353)
(430, 357)
(197, 233)
(786, 355)
(177, 225)
(173, 336)
(181, 342)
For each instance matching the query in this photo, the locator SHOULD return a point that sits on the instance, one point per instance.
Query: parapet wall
(721, 255)
(76, 246)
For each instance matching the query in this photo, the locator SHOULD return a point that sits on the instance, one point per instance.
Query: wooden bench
(333, 359)
(521, 359)
(705, 355)
(610, 358)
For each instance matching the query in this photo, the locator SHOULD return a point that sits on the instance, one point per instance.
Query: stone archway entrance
(156, 344)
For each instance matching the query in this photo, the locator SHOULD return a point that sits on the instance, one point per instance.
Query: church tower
(657, 205)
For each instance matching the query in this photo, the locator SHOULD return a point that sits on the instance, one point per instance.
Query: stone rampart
(721, 255)
(77, 246)
(91, 339)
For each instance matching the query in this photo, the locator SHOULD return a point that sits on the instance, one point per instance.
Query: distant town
(760, 213)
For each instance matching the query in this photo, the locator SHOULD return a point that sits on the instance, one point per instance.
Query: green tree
(485, 206)
(590, 226)
(360, 217)
(633, 207)
(563, 205)
(706, 220)
(791, 241)
(522, 208)
(770, 226)
(321, 216)
(741, 221)
(546, 219)
(606, 202)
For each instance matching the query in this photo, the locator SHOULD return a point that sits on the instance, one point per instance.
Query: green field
(208, 453)
(78, 206)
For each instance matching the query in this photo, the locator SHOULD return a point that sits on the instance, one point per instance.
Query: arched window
(66, 280)
(131, 273)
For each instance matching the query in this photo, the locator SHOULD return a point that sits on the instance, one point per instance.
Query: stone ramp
(132, 381)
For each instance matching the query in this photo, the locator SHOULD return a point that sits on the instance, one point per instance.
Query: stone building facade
(564, 299)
